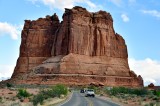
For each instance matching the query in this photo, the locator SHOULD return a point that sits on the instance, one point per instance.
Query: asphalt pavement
(79, 99)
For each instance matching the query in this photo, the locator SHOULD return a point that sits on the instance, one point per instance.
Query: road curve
(79, 99)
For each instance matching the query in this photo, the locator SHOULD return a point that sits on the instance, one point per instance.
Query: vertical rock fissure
(68, 34)
(95, 42)
(54, 42)
(27, 51)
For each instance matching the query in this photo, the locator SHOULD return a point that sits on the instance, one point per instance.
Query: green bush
(59, 90)
(55, 91)
(120, 90)
(152, 104)
(0, 99)
(38, 99)
(157, 93)
(22, 93)
(9, 85)
(155, 98)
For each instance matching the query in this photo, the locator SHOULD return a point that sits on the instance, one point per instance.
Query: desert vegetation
(28, 95)
(55, 91)
(134, 96)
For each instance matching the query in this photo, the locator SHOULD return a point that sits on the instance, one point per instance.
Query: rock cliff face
(37, 39)
(82, 49)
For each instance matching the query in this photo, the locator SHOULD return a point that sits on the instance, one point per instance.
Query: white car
(89, 92)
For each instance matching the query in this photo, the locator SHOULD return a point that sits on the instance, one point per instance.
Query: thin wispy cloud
(33, 1)
(90, 4)
(124, 17)
(61, 4)
(149, 69)
(153, 13)
(116, 2)
(9, 29)
(123, 3)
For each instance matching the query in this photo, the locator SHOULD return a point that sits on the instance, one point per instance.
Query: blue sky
(138, 21)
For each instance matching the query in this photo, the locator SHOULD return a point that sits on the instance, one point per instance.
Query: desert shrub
(146, 105)
(139, 92)
(0, 99)
(152, 104)
(118, 90)
(44, 94)
(22, 93)
(155, 98)
(155, 104)
(123, 90)
(55, 91)
(59, 90)
(39, 98)
(157, 93)
(144, 99)
(9, 85)
(92, 87)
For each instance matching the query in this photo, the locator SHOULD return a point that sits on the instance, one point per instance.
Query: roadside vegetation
(134, 96)
(31, 96)
(55, 91)
(129, 96)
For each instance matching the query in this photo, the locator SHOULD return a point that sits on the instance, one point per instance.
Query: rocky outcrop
(90, 34)
(37, 39)
(82, 49)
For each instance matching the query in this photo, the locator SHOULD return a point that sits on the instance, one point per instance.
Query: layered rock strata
(81, 50)
(37, 39)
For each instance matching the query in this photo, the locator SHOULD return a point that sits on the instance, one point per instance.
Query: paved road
(78, 99)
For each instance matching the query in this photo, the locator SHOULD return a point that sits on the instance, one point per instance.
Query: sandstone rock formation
(81, 50)
(36, 45)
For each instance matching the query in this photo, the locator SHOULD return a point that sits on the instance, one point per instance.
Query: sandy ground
(9, 97)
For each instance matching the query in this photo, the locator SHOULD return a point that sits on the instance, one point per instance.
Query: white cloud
(61, 4)
(90, 4)
(149, 69)
(125, 18)
(6, 71)
(123, 3)
(116, 2)
(9, 29)
(154, 13)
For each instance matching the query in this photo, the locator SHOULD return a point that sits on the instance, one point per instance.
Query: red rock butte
(83, 49)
